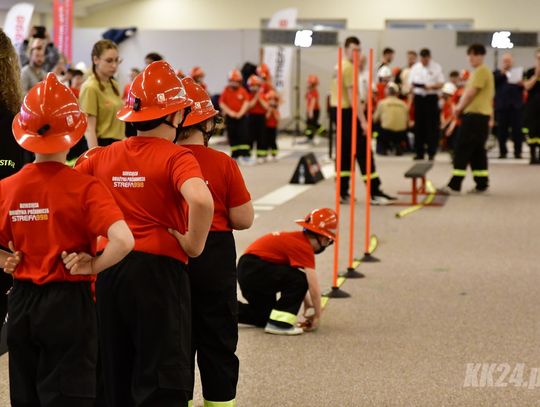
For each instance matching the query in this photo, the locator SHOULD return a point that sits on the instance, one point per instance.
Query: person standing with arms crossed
(213, 274)
(476, 104)
(144, 303)
(46, 210)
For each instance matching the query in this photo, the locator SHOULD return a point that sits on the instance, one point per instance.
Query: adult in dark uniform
(213, 274)
(532, 110)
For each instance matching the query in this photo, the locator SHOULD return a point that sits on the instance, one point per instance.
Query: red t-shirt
(76, 92)
(258, 108)
(234, 98)
(144, 175)
(292, 248)
(447, 109)
(47, 208)
(310, 95)
(272, 119)
(225, 181)
(125, 94)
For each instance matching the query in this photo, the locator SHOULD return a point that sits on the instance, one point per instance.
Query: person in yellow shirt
(476, 105)
(378, 197)
(393, 115)
(100, 97)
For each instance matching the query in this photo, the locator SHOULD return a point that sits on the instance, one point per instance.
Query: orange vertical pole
(353, 157)
(338, 163)
(368, 152)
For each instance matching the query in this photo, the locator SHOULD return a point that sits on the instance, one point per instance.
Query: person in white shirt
(426, 79)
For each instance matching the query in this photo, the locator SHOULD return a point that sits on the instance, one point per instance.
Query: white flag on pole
(279, 59)
(18, 21)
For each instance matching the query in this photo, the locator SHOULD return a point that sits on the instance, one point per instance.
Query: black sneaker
(389, 197)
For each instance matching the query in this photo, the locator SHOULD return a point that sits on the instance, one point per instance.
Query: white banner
(279, 60)
(18, 22)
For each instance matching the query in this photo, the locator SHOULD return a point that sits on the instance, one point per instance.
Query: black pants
(78, 149)
(312, 125)
(6, 281)
(393, 140)
(144, 317)
(257, 133)
(271, 137)
(215, 317)
(260, 281)
(346, 134)
(426, 125)
(506, 119)
(237, 135)
(52, 342)
(471, 150)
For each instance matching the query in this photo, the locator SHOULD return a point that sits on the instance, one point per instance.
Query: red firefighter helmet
(87, 154)
(235, 76)
(154, 93)
(312, 80)
(202, 107)
(321, 221)
(254, 80)
(263, 71)
(196, 72)
(50, 119)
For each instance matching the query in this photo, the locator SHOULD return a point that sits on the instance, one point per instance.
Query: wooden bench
(417, 171)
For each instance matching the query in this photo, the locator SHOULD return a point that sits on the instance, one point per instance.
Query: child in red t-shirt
(47, 210)
(272, 121)
(312, 106)
(145, 301)
(233, 102)
(258, 105)
(213, 273)
(284, 262)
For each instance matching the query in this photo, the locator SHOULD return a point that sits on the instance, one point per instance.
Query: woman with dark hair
(12, 156)
(100, 97)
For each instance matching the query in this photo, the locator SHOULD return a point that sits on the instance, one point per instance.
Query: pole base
(369, 258)
(336, 292)
(352, 273)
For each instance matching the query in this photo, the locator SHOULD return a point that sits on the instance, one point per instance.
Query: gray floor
(456, 285)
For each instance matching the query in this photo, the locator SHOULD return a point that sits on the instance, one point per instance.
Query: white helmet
(449, 88)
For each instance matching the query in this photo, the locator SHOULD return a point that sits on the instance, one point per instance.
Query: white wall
(360, 14)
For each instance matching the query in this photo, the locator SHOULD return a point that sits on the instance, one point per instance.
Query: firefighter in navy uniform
(284, 262)
(213, 273)
(144, 302)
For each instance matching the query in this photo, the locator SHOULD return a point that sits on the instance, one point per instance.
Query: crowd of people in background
(424, 124)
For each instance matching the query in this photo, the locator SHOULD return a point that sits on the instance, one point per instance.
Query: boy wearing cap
(213, 274)
(46, 210)
(258, 106)
(143, 303)
(284, 262)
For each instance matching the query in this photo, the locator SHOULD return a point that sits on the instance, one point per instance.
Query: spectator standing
(426, 78)
(39, 38)
(509, 105)
(33, 73)
(532, 109)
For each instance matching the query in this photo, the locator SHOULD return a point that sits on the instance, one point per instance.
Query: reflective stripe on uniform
(243, 147)
(231, 403)
(373, 176)
(459, 173)
(71, 163)
(262, 153)
(345, 173)
(282, 316)
(533, 140)
(480, 173)
(190, 403)
(375, 134)
(525, 130)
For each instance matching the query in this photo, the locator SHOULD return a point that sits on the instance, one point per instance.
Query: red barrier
(368, 153)
(354, 136)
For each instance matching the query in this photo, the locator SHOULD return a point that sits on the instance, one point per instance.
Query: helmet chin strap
(178, 128)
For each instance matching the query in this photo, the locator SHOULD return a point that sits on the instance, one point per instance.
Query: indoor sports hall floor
(456, 285)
